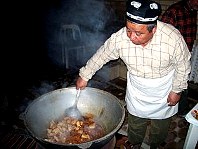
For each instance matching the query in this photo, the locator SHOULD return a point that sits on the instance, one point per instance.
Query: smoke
(91, 16)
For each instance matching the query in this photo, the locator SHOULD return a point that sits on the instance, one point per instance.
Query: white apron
(147, 98)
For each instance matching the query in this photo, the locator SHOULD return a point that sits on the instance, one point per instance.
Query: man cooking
(158, 63)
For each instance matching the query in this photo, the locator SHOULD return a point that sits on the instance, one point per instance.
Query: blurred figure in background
(183, 16)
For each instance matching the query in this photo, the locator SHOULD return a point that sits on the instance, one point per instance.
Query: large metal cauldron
(51, 106)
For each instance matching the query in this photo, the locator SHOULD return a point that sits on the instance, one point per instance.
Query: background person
(158, 64)
(183, 16)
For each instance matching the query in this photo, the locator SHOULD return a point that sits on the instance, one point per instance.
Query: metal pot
(51, 106)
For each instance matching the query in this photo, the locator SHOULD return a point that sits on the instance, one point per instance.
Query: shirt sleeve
(182, 66)
(108, 51)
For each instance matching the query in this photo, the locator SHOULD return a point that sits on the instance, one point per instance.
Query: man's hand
(80, 83)
(173, 98)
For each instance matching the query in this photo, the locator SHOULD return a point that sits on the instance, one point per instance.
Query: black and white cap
(143, 11)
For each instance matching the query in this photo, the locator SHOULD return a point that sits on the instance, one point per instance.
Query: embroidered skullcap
(142, 11)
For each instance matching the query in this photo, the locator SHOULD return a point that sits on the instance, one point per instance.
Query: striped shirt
(166, 51)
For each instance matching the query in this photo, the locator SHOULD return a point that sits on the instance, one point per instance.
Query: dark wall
(24, 46)
(24, 51)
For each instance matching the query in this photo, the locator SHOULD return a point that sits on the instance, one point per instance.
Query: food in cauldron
(73, 131)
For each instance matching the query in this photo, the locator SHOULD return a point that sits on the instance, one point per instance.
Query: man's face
(138, 33)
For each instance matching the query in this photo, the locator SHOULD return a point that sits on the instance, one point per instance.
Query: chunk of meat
(72, 131)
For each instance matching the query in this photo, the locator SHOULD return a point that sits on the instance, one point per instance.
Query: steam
(92, 17)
